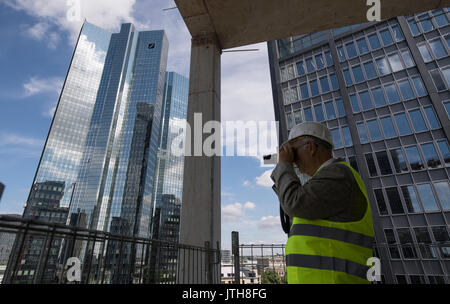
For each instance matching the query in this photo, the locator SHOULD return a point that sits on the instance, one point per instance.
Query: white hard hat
(311, 128)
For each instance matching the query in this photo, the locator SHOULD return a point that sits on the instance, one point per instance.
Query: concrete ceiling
(242, 22)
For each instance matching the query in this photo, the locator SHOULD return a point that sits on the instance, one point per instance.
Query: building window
(304, 91)
(314, 88)
(399, 161)
(324, 84)
(348, 77)
(386, 37)
(355, 104)
(300, 68)
(347, 137)
(414, 158)
(382, 65)
(319, 62)
(319, 113)
(294, 94)
(358, 74)
(329, 107)
(328, 58)
(374, 130)
(362, 133)
(427, 197)
(413, 27)
(417, 279)
(440, 17)
(417, 120)
(390, 239)
(446, 73)
(351, 51)
(418, 85)
(436, 279)
(362, 46)
(334, 82)
(425, 53)
(441, 234)
(438, 48)
(341, 54)
(431, 157)
(411, 201)
(380, 202)
(337, 140)
(406, 90)
(388, 127)
(424, 240)
(396, 63)
(286, 96)
(289, 120)
(353, 163)
(308, 114)
(406, 55)
(443, 193)
(445, 151)
(401, 279)
(371, 165)
(392, 94)
(402, 124)
(298, 117)
(437, 79)
(340, 107)
(394, 200)
(366, 101)
(378, 96)
(310, 65)
(406, 240)
(383, 163)
(374, 41)
(398, 35)
(425, 22)
(370, 70)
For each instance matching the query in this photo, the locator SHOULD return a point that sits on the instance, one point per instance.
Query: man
(331, 232)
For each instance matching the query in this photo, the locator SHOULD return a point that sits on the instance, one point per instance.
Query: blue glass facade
(389, 118)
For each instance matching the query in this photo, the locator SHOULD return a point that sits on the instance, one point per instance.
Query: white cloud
(249, 205)
(246, 183)
(37, 85)
(15, 140)
(269, 222)
(236, 212)
(264, 179)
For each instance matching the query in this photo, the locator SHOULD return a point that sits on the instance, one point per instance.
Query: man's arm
(325, 195)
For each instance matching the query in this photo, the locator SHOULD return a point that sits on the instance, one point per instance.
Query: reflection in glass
(407, 58)
(334, 82)
(378, 96)
(366, 101)
(362, 133)
(370, 70)
(392, 94)
(319, 61)
(298, 117)
(426, 23)
(424, 240)
(414, 158)
(340, 107)
(417, 120)
(383, 67)
(393, 249)
(304, 90)
(418, 84)
(336, 136)
(394, 200)
(371, 165)
(443, 193)
(319, 113)
(431, 156)
(425, 53)
(395, 62)
(445, 151)
(402, 124)
(310, 65)
(438, 48)
(440, 17)
(427, 197)
(383, 163)
(411, 201)
(348, 77)
(399, 161)
(357, 73)
(308, 114)
(388, 127)
(351, 51)
(374, 130)
(398, 35)
(324, 84)
(353, 163)
(405, 238)
(406, 90)
(347, 137)
(380, 201)
(341, 54)
(362, 46)
(328, 58)
(355, 104)
(314, 88)
(329, 107)
(374, 41)
(300, 68)
(386, 37)
(413, 27)
(437, 79)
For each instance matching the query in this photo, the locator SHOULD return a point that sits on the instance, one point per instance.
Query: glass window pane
(431, 156)
(414, 158)
(371, 165)
(383, 67)
(431, 116)
(380, 201)
(304, 90)
(294, 94)
(438, 48)
(314, 88)
(324, 84)
(378, 96)
(347, 137)
(447, 108)
(386, 37)
(336, 136)
(341, 54)
(374, 130)
(399, 161)
(362, 133)
(418, 85)
(290, 122)
(319, 113)
(362, 46)
(409, 252)
(353, 163)
(329, 107)
(440, 17)
(392, 94)
(443, 193)
(334, 82)
(348, 78)
(393, 250)
(355, 104)
(366, 101)
(383, 163)
(374, 41)
(319, 62)
(427, 197)
(310, 65)
(447, 38)
(300, 68)
(446, 73)
(351, 51)
(398, 35)
(370, 70)
(445, 151)
(405, 88)
(298, 117)
(412, 203)
(437, 79)
(388, 127)
(286, 96)
(340, 107)
(413, 27)
(291, 72)
(357, 74)
(395, 62)
(417, 120)
(426, 23)
(394, 200)
(440, 234)
(425, 53)
(424, 239)
(407, 58)
(328, 58)
(308, 114)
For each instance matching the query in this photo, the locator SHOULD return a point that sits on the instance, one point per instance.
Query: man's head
(312, 145)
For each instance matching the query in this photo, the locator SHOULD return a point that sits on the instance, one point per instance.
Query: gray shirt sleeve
(329, 194)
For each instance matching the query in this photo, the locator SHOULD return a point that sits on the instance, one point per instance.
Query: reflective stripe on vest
(330, 252)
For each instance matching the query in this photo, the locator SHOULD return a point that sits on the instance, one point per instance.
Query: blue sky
(37, 44)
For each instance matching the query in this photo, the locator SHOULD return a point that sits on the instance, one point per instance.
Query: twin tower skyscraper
(106, 164)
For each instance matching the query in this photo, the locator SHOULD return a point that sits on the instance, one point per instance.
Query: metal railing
(59, 254)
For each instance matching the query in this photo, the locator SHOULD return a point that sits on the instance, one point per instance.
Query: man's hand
(285, 153)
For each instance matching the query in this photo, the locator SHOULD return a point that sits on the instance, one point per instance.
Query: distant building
(6, 242)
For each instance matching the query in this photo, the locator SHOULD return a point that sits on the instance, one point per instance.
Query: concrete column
(200, 211)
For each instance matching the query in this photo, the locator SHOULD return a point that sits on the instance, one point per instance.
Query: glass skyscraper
(107, 164)
(383, 89)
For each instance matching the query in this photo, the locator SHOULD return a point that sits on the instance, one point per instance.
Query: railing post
(208, 262)
(235, 251)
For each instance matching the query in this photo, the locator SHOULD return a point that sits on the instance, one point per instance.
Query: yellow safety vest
(326, 252)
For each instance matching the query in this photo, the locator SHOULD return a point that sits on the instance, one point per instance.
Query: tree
(270, 277)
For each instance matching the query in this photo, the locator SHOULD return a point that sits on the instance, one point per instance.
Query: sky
(37, 42)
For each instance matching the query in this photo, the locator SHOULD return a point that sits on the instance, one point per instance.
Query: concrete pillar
(200, 212)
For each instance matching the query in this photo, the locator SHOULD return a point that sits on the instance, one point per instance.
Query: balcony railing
(59, 254)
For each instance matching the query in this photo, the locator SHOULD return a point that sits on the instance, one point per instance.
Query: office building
(383, 89)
